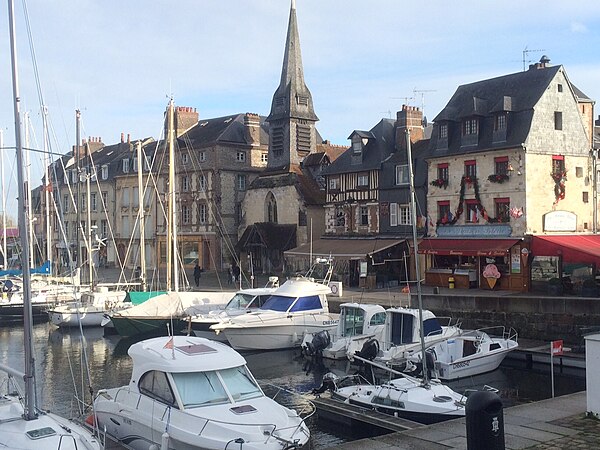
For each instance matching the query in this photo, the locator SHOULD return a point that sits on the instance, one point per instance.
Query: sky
(120, 61)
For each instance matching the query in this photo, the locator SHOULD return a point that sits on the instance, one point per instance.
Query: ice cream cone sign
(491, 274)
(524, 256)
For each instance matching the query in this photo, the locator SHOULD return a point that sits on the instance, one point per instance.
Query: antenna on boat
(413, 210)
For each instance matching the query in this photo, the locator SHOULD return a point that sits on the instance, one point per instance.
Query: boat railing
(494, 331)
(448, 321)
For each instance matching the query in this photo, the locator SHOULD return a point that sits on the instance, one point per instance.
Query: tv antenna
(526, 52)
(422, 92)
(388, 112)
(406, 99)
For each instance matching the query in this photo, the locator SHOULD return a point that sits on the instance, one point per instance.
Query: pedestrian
(229, 276)
(236, 273)
(197, 273)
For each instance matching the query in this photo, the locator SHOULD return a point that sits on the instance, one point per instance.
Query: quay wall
(541, 318)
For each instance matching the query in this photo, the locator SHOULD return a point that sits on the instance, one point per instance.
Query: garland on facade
(559, 185)
(459, 211)
(440, 182)
(498, 178)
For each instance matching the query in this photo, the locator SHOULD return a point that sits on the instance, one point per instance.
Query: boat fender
(164, 442)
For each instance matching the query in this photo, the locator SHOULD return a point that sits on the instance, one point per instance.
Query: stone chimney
(185, 118)
(544, 62)
(410, 118)
(252, 129)
(94, 143)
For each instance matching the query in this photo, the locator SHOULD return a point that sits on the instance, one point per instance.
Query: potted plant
(555, 286)
(498, 178)
(589, 288)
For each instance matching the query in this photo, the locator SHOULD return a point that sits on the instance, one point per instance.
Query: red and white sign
(557, 348)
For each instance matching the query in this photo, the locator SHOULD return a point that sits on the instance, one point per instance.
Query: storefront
(358, 262)
(499, 264)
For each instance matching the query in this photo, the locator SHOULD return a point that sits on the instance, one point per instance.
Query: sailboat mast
(30, 400)
(47, 186)
(78, 190)
(141, 216)
(4, 249)
(88, 203)
(28, 190)
(413, 210)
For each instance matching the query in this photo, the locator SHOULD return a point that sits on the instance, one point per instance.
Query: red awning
(573, 248)
(467, 247)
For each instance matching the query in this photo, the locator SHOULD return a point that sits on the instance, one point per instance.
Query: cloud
(578, 27)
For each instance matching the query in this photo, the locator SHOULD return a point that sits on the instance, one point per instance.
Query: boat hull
(145, 326)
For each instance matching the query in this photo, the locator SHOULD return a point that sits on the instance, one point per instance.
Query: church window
(303, 138)
(271, 208)
(277, 140)
(241, 182)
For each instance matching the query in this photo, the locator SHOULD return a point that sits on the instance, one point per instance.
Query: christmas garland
(459, 211)
(559, 185)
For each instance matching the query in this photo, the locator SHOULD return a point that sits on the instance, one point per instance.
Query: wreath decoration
(559, 185)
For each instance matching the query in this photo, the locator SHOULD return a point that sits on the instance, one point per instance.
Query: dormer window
(470, 127)
(357, 144)
(402, 174)
(105, 172)
(444, 131)
(500, 122)
(126, 165)
(135, 164)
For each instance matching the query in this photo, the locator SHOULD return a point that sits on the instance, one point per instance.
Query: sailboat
(423, 400)
(23, 424)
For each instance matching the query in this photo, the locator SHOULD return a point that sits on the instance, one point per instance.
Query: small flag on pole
(169, 343)
(557, 348)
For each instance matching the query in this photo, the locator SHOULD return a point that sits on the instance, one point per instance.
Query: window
(126, 166)
(356, 144)
(404, 215)
(469, 127)
(502, 209)
(125, 231)
(501, 165)
(185, 158)
(104, 228)
(126, 200)
(442, 171)
(334, 184)
(83, 202)
(202, 156)
(185, 183)
(202, 213)
(264, 157)
(471, 169)
(147, 162)
(202, 183)
(66, 231)
(66, 203)
(558, 164)
(444, 131)
(302, 220)
(585, 197)
(155, 384)
(363, 180)
(185, 214)
(402, 175)
(271, 208)
(104, 199)
(444, 215)
(93, 174)
(241, 182)
(472, 211)
(500, 122)
(93, 202)
(135, 194)
(364, 215)
(558, 120)
(134, 163)
(560, 87)
(240, 157)
(105, 172)
(340, 217)
(393, 214)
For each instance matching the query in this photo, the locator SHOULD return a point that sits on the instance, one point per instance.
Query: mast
(47, 186)
(413, 210)
(141, 214)
(29, 406)
(172, 260)
(28, 191)
(4, 249)
(78, 190)
(88, 176)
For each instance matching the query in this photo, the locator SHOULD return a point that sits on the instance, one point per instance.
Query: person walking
(197, 273)
(229, 276)
(236, 273)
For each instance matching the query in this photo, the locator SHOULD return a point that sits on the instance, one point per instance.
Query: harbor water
(67, 363)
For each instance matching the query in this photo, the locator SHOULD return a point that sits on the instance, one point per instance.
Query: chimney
(252, 129)
(128, 138)
(597, 123)
(544, 62)
(122, 138)
(410, 118)
(185, 118)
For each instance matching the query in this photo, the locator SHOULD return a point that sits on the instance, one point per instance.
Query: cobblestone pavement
(587, 434)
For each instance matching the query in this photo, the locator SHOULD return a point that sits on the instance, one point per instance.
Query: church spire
(292, 117)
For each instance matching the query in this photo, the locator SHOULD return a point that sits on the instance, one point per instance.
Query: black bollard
(485, 421)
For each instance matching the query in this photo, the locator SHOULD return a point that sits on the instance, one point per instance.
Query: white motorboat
(90, 310)
(244, 301)
(401, 336)
(472, 353)
(193, 393)
(405, 397)
(358, 323)
(23, 425)
(296, 308)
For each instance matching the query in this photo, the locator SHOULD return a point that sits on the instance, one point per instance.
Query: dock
(337, 411)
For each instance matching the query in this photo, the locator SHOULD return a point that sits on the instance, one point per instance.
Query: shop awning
(467, 247)
(572, 248)
(343, 248)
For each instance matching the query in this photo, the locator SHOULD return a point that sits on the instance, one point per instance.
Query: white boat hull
(274, 337)
(468, 367)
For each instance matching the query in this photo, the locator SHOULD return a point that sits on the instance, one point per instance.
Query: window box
(498, 178)
(440, 182)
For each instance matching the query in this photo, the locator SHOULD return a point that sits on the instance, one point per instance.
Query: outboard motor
(418, 367)
(329, 384)
(320, 342)
(369, 350)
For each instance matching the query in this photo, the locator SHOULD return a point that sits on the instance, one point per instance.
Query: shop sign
(560, 221)
(488, 231)
(515, 260)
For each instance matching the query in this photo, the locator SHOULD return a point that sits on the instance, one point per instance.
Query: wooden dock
(342, 412)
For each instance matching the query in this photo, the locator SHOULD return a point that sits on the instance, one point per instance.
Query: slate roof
(516, 94)
(380, 145)
(274, 236)
(226, 129)
(296, 176)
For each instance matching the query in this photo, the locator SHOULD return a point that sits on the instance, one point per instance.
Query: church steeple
(292, 117)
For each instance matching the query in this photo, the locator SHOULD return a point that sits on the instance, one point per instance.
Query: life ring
(334, 289)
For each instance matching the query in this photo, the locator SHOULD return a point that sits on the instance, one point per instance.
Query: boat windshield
(353, 321)
(278, 303)
(205, 388)
(239, 301)
(282, 303)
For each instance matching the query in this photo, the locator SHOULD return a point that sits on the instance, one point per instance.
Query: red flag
(169, 343)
